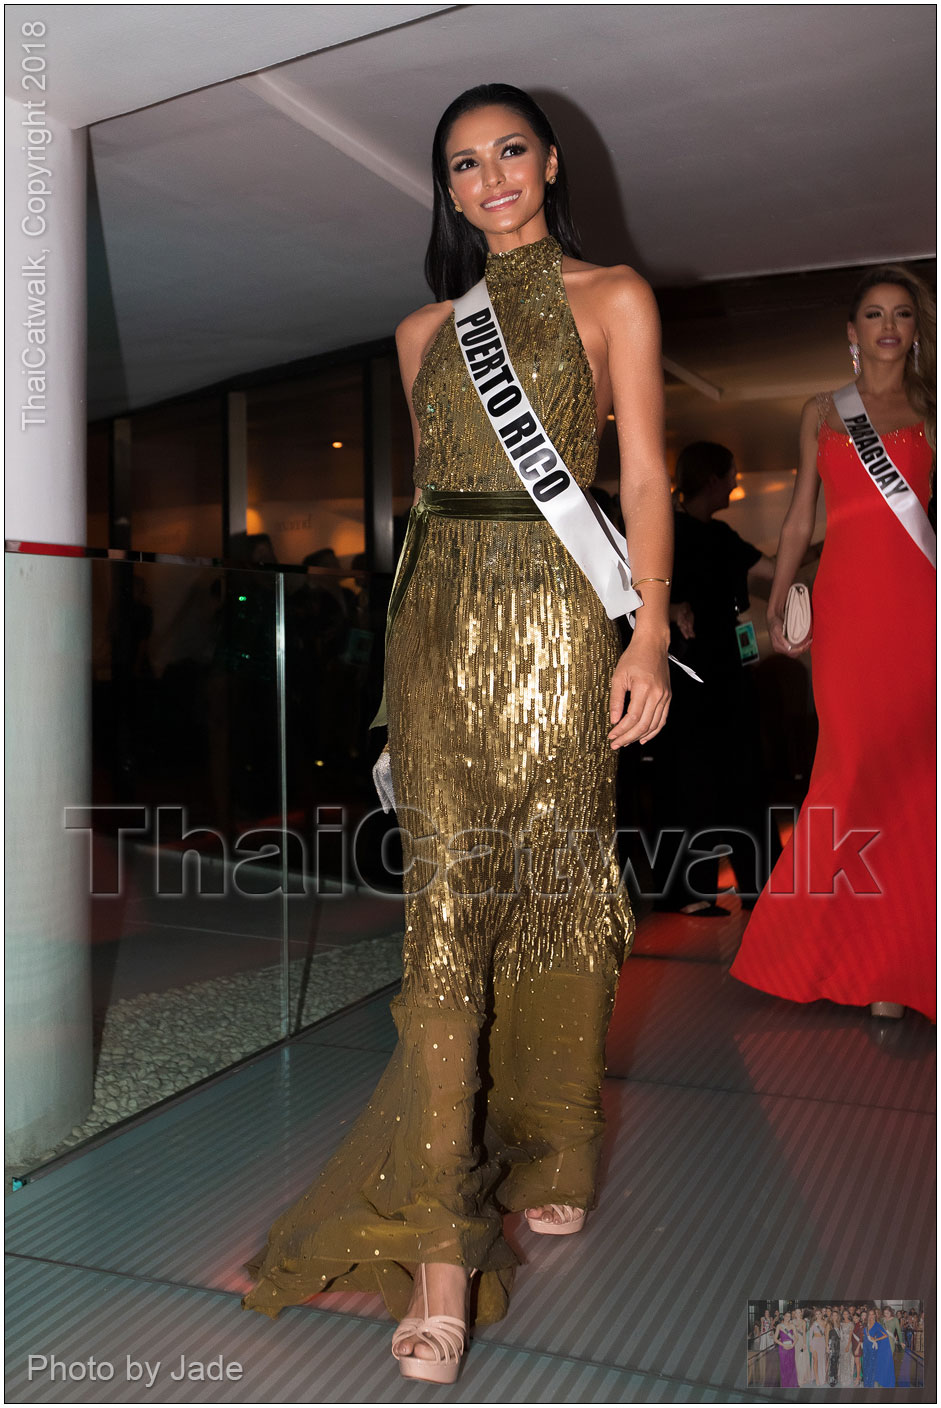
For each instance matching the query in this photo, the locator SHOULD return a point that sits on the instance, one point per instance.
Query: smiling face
(884, 326)
(497, 173)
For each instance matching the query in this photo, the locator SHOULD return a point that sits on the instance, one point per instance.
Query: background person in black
(708, 766)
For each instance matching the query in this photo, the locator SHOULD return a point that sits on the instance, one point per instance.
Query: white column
(48, 627)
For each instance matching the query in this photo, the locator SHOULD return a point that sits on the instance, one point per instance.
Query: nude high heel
(570, 1220)
(446, 1335)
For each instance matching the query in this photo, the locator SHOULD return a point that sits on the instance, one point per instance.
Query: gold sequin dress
(498, 670)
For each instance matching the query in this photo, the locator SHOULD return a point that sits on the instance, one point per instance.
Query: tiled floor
(755, 1149)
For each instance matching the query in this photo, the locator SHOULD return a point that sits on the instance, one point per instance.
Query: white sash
(593, 541)
(886, 476)
(599, 549)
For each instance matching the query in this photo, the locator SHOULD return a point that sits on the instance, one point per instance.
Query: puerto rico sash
(598, 548)
(592, 540)
(886, 476)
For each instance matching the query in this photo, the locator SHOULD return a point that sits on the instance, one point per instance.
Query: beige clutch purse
(798, 615)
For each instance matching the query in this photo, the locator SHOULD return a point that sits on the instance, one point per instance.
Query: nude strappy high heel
(446, 1335)
(570, 1220)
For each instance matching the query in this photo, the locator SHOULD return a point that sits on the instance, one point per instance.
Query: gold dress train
(498, 667)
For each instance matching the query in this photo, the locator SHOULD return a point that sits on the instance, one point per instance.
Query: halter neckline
(525, 258)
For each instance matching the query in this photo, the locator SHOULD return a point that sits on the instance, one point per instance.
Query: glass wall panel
(183, 915)
(346, 929)
(242, 878)
(186, 958)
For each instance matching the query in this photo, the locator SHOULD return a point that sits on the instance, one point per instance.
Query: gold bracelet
(665, 580)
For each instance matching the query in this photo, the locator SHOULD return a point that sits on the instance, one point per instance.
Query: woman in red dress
(848, 913)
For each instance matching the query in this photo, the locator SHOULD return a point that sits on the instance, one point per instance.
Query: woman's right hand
(781, 644)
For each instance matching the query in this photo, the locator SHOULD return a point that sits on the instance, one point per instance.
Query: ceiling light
(337, 445)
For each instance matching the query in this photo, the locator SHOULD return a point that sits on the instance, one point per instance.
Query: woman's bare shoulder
(816, 410)
(417, 329)
(615, 275)
(615, 287)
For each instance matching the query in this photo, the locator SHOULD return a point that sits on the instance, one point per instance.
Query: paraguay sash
(592, 540)
(886, 476)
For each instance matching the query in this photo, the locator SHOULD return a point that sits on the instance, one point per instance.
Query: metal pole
(283, 784)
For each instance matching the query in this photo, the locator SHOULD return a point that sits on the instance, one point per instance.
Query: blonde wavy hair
(920, 384)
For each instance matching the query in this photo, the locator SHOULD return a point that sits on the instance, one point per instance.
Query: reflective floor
(756, 1149)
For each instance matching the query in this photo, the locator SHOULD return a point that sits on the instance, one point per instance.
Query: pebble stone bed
(157, 1044)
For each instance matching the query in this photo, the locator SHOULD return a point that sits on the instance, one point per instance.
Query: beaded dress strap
(824, 401)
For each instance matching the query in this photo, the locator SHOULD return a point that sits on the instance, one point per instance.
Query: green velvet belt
(514, 505)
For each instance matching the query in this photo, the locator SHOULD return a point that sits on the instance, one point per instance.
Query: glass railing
(211, 870)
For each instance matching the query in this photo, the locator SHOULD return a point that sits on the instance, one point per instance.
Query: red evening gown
(855, 922)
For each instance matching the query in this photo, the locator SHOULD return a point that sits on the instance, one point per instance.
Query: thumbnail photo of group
(836, 1344)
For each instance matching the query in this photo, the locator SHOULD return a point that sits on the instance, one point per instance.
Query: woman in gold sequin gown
(505, 697)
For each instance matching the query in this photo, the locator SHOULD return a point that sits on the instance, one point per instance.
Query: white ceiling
(275, 216)
(109, 59)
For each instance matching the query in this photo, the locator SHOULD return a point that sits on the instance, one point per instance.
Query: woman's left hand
(643, 672)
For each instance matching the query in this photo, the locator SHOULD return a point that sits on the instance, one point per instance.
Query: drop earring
(915, 354)
(854, 357)
(458, 209)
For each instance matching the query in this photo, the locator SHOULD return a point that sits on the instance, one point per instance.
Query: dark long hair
(919, 384)
(457, 252)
